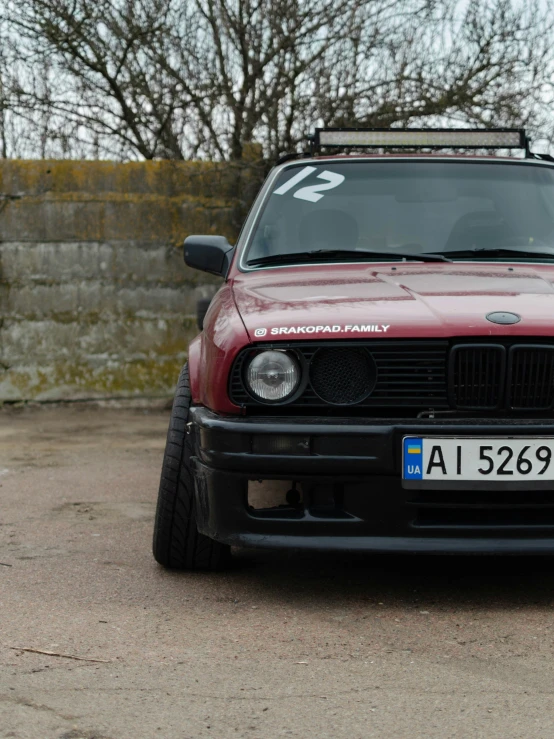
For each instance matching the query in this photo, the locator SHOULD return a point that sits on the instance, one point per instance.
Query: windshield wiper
(500, 251)
(347, 254)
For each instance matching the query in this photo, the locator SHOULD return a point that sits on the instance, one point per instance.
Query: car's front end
(377, 372)
(352, 442)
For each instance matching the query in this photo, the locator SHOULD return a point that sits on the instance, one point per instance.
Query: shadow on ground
(466, 583)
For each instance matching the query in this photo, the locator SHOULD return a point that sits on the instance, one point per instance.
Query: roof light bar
(498, 138)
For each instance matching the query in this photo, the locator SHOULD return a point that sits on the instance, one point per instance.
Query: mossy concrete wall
(95, 300)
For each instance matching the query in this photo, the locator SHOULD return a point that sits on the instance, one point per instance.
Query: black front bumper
(349, 471)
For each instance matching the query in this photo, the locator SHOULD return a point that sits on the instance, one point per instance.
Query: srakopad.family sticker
(360, 328)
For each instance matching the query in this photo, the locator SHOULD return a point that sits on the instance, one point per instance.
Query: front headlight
(273, 376)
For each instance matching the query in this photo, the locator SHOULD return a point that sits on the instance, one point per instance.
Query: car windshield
(469, 209)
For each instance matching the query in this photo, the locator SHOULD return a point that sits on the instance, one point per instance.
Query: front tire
(177, 542)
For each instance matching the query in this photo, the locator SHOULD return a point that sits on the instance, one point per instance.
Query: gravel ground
(281, 646)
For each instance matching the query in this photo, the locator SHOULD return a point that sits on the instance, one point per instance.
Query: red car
(377, 371)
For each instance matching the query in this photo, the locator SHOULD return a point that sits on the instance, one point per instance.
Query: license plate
(474, 462)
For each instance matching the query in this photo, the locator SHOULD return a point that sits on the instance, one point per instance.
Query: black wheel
(177, 543)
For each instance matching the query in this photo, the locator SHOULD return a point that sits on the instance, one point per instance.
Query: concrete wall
(95, 300)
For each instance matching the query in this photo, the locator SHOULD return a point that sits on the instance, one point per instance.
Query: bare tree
(100, 81)
(4, 108)
(7, 103)
(205, 78)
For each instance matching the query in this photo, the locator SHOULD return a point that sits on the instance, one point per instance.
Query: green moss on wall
(66, 380)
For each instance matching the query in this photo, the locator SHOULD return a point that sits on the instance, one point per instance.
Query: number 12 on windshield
(311, 192)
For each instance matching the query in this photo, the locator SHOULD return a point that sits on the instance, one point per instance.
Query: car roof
(430, 156)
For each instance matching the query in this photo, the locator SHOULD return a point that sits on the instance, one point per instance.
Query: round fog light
(272, 376)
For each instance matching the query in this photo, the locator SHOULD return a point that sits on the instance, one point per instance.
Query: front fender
(194, 358)
(212, 353)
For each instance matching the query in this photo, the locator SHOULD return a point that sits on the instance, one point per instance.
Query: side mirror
(208, 253)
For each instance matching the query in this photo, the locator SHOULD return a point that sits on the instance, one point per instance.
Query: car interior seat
(477, 230)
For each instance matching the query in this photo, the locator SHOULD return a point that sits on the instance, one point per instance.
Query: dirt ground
(281, 646)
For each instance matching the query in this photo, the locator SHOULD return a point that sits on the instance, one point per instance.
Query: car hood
(408, 301)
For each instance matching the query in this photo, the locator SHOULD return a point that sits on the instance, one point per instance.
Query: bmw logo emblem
(503, 318)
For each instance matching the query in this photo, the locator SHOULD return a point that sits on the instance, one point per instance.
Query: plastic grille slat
(532, 378)
(476, 376)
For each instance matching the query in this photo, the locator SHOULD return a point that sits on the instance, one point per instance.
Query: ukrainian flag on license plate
(412, 466)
